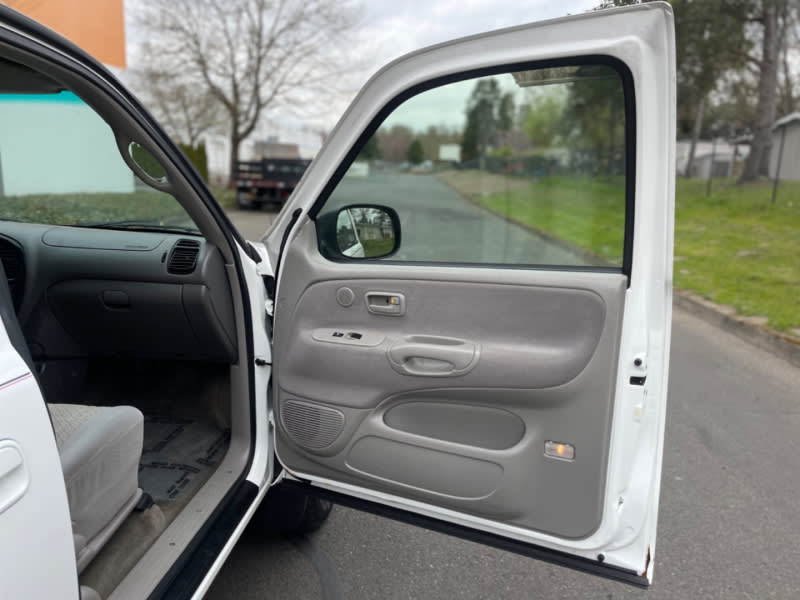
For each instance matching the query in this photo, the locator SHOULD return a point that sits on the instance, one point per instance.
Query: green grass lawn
(69, 209)
(733, 247)
(588, 213)
(377, 247)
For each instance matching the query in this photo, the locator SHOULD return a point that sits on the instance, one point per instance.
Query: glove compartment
(143, 319)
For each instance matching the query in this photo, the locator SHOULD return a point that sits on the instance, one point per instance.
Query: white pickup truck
(164, 381)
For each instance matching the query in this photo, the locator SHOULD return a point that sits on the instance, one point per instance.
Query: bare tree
(249, 55)
(767, 89)
(187, 111)
(788, 52)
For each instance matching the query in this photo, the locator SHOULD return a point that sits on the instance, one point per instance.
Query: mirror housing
(359, 232)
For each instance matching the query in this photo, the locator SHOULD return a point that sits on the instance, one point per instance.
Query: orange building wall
(97, 26)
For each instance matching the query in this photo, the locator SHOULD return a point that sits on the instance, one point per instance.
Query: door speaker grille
(311, 425)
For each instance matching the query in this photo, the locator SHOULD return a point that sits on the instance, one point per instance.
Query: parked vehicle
(267, 181)
(157, 394)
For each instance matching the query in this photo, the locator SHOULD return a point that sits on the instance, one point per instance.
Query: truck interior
(136, 334)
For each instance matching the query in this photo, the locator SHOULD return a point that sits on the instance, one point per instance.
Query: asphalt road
(729, 520)
(438, 225)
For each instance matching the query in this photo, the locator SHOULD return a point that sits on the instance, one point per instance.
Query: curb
(725, 317)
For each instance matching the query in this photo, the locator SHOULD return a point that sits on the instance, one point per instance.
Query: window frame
(629, 111)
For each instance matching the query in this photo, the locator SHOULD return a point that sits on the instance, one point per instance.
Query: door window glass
(518, 168)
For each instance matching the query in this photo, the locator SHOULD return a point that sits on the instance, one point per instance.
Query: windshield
(59, 164)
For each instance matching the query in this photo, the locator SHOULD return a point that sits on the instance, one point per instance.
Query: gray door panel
(499, 362)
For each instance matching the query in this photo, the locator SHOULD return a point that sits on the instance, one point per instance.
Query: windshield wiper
(133, 225)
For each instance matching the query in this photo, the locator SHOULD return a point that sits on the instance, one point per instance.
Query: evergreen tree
(415, 153)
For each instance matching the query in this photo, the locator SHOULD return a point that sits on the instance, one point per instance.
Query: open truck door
(483, 368)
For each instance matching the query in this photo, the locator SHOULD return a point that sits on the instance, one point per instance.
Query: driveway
(438, 225)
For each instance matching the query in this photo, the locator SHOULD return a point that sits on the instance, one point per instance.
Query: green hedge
(197, 156)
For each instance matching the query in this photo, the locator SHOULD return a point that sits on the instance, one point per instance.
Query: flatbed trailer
(267, 181)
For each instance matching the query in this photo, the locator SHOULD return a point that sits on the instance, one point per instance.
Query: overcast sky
(398, 27)
(391, 28)
(394, 28)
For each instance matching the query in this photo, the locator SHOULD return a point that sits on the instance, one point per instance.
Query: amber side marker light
(559, 450)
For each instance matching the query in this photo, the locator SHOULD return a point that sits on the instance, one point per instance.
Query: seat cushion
(100, 449)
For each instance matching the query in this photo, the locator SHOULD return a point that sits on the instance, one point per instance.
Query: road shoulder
(750, 329)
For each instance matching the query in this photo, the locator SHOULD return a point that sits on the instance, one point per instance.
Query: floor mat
(179, 454)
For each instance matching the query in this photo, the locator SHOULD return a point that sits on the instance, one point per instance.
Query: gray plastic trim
(446, 474)
(549, 344)
(81, 267)
(465, 424)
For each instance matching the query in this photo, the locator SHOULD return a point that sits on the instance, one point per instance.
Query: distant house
(450, 152)
(271, 149)
(373, 231)
(726, 156)
(722, 166)
(787, 128)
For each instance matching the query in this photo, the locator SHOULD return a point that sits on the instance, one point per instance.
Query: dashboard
(82, 292)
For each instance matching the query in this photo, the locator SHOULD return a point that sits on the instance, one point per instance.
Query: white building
(56, 144)
(450, 152)
(787, 128)
(722, 166)
(726, 155)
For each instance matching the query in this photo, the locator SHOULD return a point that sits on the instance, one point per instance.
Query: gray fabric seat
(100, 449)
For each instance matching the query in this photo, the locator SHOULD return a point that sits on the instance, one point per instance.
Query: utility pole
(711, 167)
(778, 166)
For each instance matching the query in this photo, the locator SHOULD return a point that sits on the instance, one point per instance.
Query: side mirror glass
(360, 231)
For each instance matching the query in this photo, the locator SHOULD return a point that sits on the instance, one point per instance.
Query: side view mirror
(359, 231)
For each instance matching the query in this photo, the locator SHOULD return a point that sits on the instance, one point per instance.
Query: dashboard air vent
(183, 257)
(14, 266)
